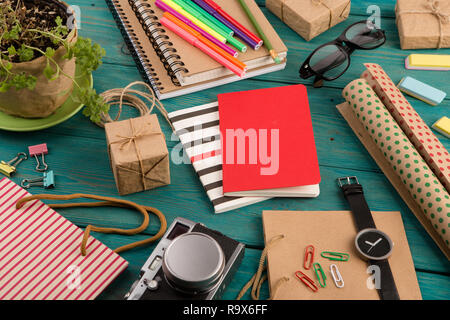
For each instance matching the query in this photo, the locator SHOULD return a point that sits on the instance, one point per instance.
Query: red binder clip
(307, 281)
(35, 151)
(309, 257)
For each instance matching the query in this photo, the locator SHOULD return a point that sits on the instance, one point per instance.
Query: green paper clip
(322, 277)
(335, 256)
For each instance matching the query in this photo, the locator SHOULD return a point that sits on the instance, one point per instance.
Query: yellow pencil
(194, 20)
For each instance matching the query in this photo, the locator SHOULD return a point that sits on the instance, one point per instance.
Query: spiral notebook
(171, 65)
(40, 255)
(199, 132)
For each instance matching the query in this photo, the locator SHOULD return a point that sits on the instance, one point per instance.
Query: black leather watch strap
(355, 196)
(388, 289)
(363, 219)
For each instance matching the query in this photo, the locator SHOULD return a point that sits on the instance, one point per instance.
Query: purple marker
(219, 17)
(220, 44)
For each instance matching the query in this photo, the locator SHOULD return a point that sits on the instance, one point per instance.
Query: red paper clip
(306, 280)
(309, 257)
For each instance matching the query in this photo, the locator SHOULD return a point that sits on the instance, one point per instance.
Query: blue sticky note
(422, 91)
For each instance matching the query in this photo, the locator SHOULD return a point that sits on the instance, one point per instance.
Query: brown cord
(105, 201)
(258, 279)
(127, 96)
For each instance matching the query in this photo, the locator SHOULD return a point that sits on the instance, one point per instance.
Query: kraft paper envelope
(395, 180)
(333, 231)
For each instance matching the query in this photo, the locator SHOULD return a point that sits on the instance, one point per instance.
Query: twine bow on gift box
(443, 18)
(316, 3)
(136, 135)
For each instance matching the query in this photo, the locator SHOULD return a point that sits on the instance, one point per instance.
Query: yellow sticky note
(443, 126)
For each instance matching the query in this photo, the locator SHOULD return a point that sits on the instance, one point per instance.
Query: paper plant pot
(47, 96)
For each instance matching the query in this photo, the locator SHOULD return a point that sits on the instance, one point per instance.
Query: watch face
(374, 244)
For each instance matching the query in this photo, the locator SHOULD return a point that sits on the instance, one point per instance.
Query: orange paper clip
(309, 257)
(307, 281)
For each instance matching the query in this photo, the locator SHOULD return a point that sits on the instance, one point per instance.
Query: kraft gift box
(138, 154)
(423, 24)
(309, 18)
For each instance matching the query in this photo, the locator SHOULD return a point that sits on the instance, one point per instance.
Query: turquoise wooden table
(78, 153)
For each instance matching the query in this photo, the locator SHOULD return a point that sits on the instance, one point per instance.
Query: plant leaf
(49, 72)
(12, 51)
(25, 54)
(50, 52)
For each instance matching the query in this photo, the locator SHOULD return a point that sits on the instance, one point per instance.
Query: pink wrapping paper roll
(428, 145)
(417, 176)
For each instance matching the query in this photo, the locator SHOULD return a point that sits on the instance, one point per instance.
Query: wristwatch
(372, 244)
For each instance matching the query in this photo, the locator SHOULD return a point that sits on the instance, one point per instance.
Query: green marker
(236, 43)
(207, 16)
(197, 22)
(260, 30)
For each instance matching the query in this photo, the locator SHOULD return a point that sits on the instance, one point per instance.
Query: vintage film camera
(190, 262)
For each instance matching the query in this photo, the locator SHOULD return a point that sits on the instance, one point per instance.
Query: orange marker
(204, 40)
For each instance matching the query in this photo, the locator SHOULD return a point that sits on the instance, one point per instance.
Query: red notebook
(267, 140)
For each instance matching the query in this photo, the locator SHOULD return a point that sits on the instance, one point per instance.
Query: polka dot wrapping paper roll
(429, 147)
(414, 172)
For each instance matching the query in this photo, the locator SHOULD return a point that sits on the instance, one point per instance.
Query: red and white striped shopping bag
(40, 253)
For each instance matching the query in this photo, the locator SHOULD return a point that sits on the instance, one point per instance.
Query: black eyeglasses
(331, 60)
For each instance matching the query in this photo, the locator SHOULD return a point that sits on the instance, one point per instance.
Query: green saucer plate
(65, 112)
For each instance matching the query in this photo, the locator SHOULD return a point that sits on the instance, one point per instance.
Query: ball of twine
(130, 97)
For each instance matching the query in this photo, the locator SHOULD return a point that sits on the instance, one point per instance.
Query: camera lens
(194, 263)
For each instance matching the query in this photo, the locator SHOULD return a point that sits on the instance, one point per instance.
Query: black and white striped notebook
(199, 132)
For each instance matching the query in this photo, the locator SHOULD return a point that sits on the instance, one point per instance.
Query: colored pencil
(255, 45)
(266, 40)
(221, 45)
(200, 24)
(234, 42)
(200, 45)
(222, 52)
(224, 14)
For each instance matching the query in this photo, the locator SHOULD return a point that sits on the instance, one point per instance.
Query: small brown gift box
(309, 18)
(423, 24)
(138, 153)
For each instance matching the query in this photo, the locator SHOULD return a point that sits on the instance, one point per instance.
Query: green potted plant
(39, 55)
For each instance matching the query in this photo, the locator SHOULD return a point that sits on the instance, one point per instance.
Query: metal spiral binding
(160, 40)
(134, 46)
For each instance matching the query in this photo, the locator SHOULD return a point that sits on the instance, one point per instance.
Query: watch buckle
(347, 180)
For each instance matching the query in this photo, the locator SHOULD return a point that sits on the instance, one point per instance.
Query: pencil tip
(275, 57)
